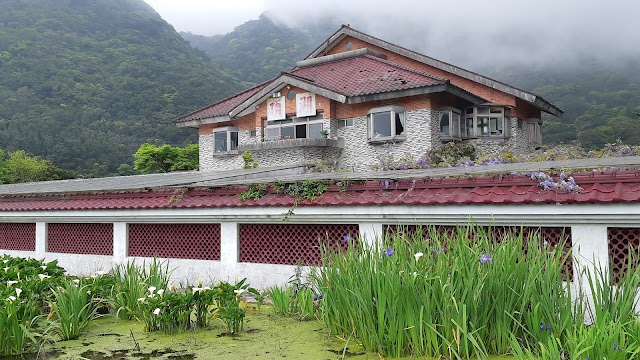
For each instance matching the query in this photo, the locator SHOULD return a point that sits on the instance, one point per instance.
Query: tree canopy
(84, 83)
(166, 158)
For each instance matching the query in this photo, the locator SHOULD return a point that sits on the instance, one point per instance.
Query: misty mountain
(260, 49)
(600, 95)
(84, 83)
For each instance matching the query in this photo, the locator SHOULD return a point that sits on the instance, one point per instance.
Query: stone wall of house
(211, 162)
(360, 155)
(516, 144)
(297, 155)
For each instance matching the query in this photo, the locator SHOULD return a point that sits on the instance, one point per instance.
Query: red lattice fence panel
(621, 240)
(92, 239)
(552, 236)
(18, 236)
(291, 244)
(176, 241)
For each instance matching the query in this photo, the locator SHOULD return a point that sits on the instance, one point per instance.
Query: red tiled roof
(598, 188)
(222, 107)
(365, 75)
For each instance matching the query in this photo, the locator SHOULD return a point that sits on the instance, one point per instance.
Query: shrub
(452, 153)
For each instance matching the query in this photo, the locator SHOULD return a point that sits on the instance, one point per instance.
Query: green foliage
(453, 296)
(249, 162)
(133, 283)
(260, 49)
(18, 167)
(166, 158)
(306, 189)
(86, 82)
(25, 291)
(74, 310)
(254, 192)
(452, 153)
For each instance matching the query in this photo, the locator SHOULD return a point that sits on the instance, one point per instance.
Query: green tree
(19, 167)
(166, 158)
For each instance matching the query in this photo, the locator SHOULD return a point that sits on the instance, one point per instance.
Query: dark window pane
(444, 123)
(381, 124)
(399, 124)
(234, 140)
(301, 131)
(220, 141)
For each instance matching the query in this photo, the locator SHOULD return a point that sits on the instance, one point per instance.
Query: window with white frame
(225, 139)
(485, 121)
(345, 123)
(450, 126)
(386, 123)
(295, 128)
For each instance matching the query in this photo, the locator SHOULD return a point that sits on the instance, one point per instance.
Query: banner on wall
(276, 109)
(305, 104)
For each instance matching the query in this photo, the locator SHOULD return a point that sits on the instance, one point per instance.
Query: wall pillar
(371, 234)
(229, 246)
(120, 242)
(590, 254)
(41, 239)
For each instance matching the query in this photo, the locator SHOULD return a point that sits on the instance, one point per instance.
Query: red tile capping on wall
(598, 188)
(621, 241)
(291, 244)
(18, 236)
(92, 239)
(175, 241)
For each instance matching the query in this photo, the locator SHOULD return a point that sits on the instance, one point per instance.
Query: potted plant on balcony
(324, 133)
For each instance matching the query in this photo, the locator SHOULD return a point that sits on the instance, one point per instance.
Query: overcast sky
(456, 30)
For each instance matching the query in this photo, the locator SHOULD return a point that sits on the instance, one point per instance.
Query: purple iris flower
(389, 252)
(437, 251)
(486, 257)
(346, 238)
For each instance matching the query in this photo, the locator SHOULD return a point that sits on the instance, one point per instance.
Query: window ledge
(226, 153)
(387, 139)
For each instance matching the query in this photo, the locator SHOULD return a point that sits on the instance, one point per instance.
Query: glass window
(444, 123)
(314, 130)
(295, 128)
(382, 124)
(233, 136)
(484, 121)
(220, 140)
(388, 122)
(225, 140)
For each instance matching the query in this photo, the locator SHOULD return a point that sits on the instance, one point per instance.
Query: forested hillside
(260, 49)
(601, 99)
(85, 83)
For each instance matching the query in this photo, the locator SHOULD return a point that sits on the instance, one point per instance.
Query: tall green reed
(73, 309)
(456, 295)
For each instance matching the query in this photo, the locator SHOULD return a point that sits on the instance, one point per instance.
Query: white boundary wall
(588, 225)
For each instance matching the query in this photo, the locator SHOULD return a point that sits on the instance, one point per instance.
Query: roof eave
(430, 89)
(199, 122)
(547, 107)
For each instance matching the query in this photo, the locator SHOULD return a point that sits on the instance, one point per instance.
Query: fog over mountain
(479, 33)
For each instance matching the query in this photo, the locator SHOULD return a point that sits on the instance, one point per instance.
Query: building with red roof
(357, 100)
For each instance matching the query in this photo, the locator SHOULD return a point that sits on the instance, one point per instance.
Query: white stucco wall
(588, 223)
